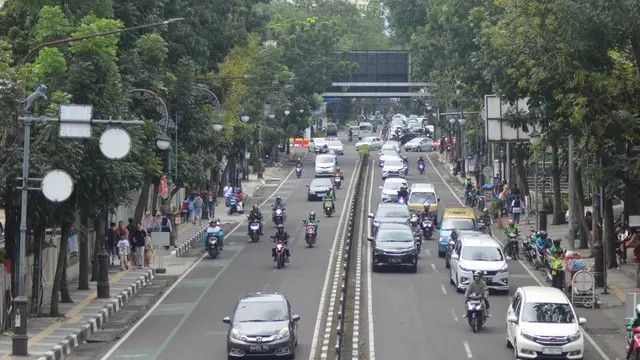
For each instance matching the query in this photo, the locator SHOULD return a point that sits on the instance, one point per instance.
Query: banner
(163, 187)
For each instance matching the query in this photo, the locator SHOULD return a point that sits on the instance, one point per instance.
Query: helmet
(426, 206)
(556, 241)
(414, 218)
(312, 215)
(543, 234)
(638, 310)
(512, 222)
(278, 199)
(255, 207)
(403, 187)
(477, 274)
(337, 168)
(212, 223)
(485, 211)
(299, 159)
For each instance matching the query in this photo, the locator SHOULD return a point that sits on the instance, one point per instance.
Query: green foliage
(52, 24)
(50, 62)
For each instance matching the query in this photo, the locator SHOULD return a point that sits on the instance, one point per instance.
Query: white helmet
(638, 310)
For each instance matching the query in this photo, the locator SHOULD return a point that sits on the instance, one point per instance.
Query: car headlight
(237, 335)
(284, 333)
(575, 337)
(504, 268)
(527, 336)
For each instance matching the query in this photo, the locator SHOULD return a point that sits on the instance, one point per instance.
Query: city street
(187, 322)
(419, 316)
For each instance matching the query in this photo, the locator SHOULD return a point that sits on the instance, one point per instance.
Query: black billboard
(377, 66)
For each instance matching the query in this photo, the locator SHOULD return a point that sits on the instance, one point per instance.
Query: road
(187, 321)
(419, 316)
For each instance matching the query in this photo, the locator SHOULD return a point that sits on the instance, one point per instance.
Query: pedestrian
(73, 242)
(156, 221)
(131, 227)
(228, 191)
(121, 230)
(112, 243)
(165, 224)
(149, 255)
(147, 221)
(139, 242)
(213, 203)
(185, 209)
(124, 250)
(198, 204)
(516, 208)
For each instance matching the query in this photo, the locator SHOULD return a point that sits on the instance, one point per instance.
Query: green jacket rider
(311, 220)
(556, 247)
(511, 228)
(479, 287)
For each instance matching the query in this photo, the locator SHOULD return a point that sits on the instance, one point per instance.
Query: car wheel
(515, 351)
(506, 336)
(458, 289)
(309, 198)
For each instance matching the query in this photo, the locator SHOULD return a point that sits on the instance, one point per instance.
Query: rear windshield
(325, 159)
(422, 198)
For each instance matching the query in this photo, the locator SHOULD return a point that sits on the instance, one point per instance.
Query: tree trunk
(154, 201)
(574, 212)
(609, 240)
(521, 171)
(60, 269)
(558, 213)
(143, 201)
(595, 227)
(39, 234)
(83, 252)
(100, 226)
(583, 228)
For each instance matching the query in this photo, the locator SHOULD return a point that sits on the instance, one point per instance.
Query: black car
(395, 245)
(318, 188)
(389, 213)
(262, 325)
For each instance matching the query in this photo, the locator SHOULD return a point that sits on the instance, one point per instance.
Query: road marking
(358, 280)
(330, 266)
(453, 313)
(526, 268)
(433, 266)
(372, 347)
(467, 349)
(175, 284)
(428, 252)
(443, 288)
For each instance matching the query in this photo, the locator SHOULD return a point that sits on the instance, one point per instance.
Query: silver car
(419, 144)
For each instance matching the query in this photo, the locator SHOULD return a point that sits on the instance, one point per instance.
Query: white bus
(365, 129)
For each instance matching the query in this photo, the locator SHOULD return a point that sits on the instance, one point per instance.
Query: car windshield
(325, 159)
(393, 185)
(422, 198)
(482, 253)
(321, 182)
(548, 313)
(389, 152)
(460, 224)
(249, 311)
(415, 141)
(399, 235)
(393, 162)
(334, 143)
(393, 211)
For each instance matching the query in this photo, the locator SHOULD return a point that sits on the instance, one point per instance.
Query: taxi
(421, 194)
(455, 218)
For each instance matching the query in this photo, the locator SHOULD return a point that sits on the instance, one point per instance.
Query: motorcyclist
(279, 204)
(542, 242)
(214, 229)
(634, 322)
(405, 160)
(557, 269)
(338, 172)
(331, 197)
(555, 247)
(421, 161)
(299, 163)
(404, 194)
(283, 237)
(479, 287)
(511, 229)
(311, 220)
(255, 216)
(426, 213)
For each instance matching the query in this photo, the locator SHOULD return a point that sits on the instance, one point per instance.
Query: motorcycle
(421, 168)
(235, 206)
(529, 246)
(427, 228)
(447, 255)
(254, 231)
(541, 261)
(278, 216)
(310, 234)
(328, 207)
(402, 200)
(513, 246)
(280, 255)
(406, 169)
(417, 232)
(213, 245)
(475, 312)
(635, 343)
(337, 181)
(298, 170)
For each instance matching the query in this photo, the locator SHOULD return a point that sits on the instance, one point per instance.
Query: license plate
(395, 260)
(259, 348)
(552, 350)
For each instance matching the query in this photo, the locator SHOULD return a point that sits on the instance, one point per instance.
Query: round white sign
(115, 143)
(57, 185)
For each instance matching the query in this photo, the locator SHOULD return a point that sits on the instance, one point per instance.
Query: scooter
(280, 254)
(310, 234)
(298, 170)
(213, 245)
(337, 181)
(529, 248)
(635, 343)
(475, 312)
(421, 168)
(278, 216)
(513, 246)
(417, 232)
(328, 208)
(541, 261)
(406, 169)
(235, 206)
(254, 231)
(427, 228)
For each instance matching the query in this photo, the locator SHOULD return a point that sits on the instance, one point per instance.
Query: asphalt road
(419, 316)
(187, 323)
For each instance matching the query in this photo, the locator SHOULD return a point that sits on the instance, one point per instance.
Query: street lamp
(163, 142)
(244, 118)
(217, 126)
(451, 151)
(287, 112)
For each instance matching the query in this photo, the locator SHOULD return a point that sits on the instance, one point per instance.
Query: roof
(543, 294)
(396, 180)
(480, 241)
(393, 226)
(459, 212)
(391, 205)
(260, 297)
(423, 187)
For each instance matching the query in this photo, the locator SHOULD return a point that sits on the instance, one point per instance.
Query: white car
(385, 154)
(390, 189)
(392, 144)
(325, 164)
(336, 146)
(541, 322)
(419, 144)
(475, 251)
(316, 145)
(373, 142)
(393, 167)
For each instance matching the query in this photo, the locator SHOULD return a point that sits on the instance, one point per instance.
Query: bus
(365, 129)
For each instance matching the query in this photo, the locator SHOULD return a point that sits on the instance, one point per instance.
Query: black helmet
(556, 241)
(278, 199)
(543, 234)
(255, 207)
(212, 223)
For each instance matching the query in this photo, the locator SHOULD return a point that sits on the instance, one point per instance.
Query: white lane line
(443, 288)
(372, 347)
(327, 278)
(526, 268)
(433, 266)
(455, 316)
(428, 252)
(173, 286)
(467, 349)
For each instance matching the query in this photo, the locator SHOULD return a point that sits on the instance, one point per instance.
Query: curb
(186, 245)
(63, 348)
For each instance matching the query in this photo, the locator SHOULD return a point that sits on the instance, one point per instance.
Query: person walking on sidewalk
(212, 203)
(165, 224)
(149, 255)
(228, 192)
(516, 208)
(198, 204)
(123, 252)
(147, 221)
(112, 242)
(121, 230)
(156, 221)
(139, 240)
(184, 211)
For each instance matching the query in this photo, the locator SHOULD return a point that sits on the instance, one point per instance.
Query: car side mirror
(295, 318)
(582, 321)
(370, 238)
(226, 320)
(371, 216)
(512, 319)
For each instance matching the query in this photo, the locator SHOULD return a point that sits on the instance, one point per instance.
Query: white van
(325, 165)
(365, 129)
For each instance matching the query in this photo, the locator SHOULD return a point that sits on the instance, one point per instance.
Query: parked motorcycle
(280, 254)
(512, 246)
(213, 245)
(310, 234)
(298, 170)
(476, 313)
(328, 207)
(254, 231)
(278, 216)
(421, 168)
(541, 261)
